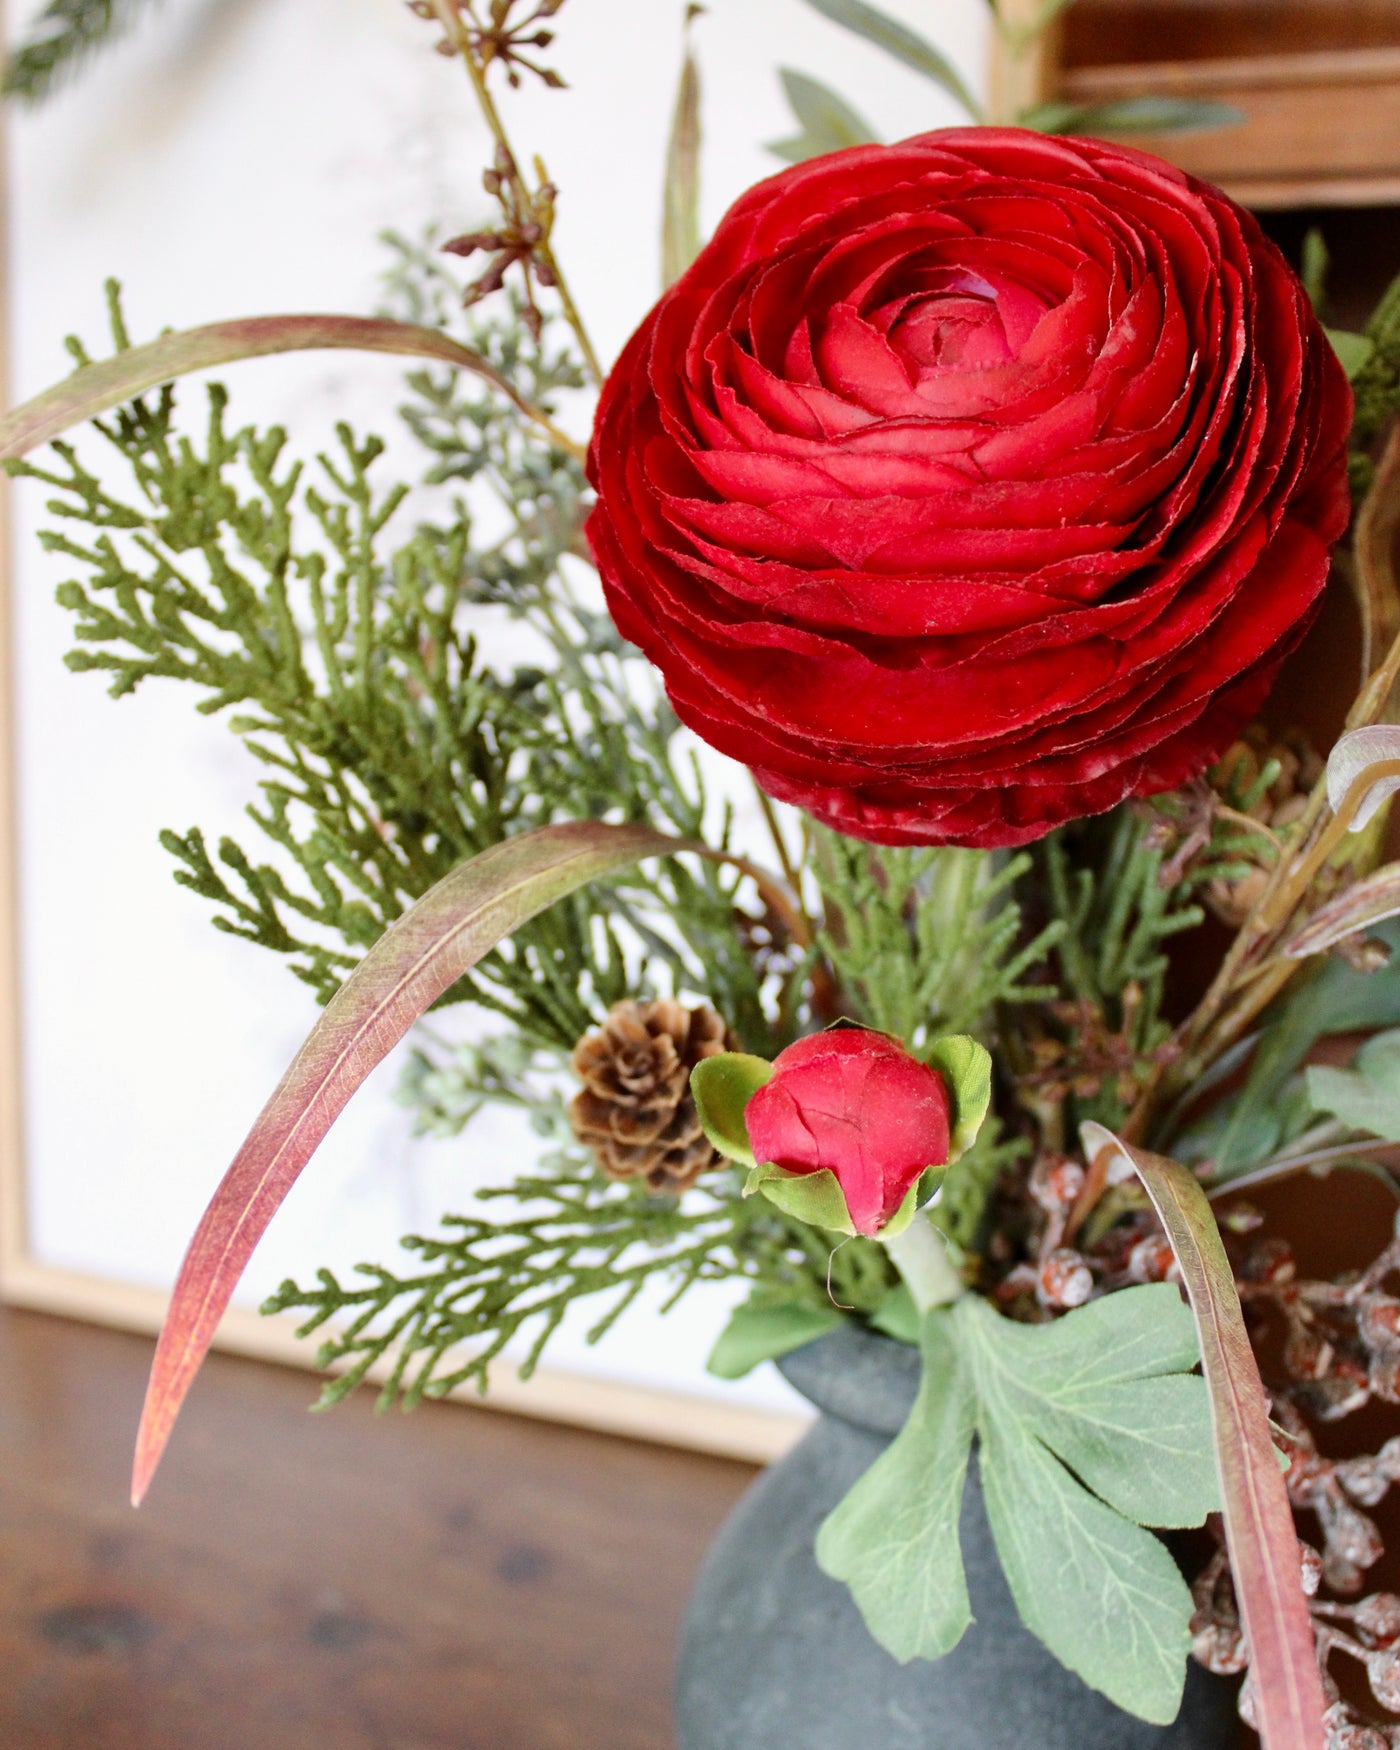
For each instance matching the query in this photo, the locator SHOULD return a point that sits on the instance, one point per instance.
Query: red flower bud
(857, 1104)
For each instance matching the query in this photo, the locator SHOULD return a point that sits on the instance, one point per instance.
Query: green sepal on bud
(815, 1197)
(722, 1086)
(966, 1068)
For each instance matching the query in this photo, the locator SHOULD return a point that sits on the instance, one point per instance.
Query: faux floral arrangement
(971, 493)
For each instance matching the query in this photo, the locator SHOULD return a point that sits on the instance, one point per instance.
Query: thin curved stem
(458, 34)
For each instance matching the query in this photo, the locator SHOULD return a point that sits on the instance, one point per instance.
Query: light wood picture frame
(1315, 85)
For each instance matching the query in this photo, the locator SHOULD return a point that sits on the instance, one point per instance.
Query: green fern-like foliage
(926, 942)
(568, 1241)
(343, 642)
(65, 35)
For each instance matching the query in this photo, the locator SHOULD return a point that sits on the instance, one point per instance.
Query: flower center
(957, 320)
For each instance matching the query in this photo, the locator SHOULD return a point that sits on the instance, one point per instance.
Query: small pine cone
(635, 1110)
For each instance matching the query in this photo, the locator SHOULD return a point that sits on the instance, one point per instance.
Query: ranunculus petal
(969, 485)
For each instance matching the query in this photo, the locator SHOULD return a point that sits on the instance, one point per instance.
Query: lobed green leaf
(1090, 1428)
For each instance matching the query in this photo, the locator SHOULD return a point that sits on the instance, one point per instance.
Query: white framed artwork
(237, 157)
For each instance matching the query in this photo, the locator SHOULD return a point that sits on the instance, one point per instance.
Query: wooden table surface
(451, 1580)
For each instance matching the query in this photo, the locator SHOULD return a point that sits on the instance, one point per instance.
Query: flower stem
(922, 1260)
(458, 34)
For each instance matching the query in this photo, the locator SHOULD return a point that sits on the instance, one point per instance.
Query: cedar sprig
(65, 35)
(926, 942)
(491, 1284)
(341, 641)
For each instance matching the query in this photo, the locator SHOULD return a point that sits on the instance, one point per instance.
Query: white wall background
(237, 157)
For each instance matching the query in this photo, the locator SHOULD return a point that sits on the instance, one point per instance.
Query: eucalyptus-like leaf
(904, 44)
(1259, 1530)
(680, 209)
(96, 387)
(1366, 1096)
(722, 1086)
(1354, 754)
(966, 1068)
(764, 1328)
(1333, 998)
(826, 121)
(1366, 902)
(418, 958)
(1132, 115)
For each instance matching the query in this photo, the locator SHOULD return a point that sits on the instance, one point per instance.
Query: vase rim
(856, 1375)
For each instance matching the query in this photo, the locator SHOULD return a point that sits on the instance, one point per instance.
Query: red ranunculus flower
(971, 485)
(857, 1104)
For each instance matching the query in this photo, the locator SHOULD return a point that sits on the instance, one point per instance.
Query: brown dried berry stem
(460, 36)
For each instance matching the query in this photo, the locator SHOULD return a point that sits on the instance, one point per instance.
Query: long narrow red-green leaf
(419, 957)
(93, 388)
(1259, 1528)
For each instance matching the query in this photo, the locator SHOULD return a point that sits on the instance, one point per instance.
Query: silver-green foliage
(1088, 1429)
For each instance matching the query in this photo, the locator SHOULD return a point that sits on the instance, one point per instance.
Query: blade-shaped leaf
(1367, 902)
(1132, 115)
(904, 44)
(1352, 756)
(827, 121)
(93, 388)
(1258, 1520)
(418, 958)
(894, 1538)
(680, 204)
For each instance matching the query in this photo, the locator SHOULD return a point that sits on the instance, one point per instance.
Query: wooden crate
(1317, 83)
